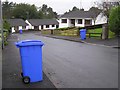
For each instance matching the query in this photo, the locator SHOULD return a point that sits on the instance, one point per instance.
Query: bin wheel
(21, 74)
(26, 80)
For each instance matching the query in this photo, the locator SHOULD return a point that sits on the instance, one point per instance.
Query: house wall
(63, 25)
(29, 25)
(101, 19)
(13, 29)
(79, 25)
(17, 28)
(20, 27)
(44, 26)
(50, 27)
(68, 24)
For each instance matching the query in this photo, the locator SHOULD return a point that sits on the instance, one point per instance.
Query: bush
(114, 20)
(67, 28)
(6, 31)
(6, 26)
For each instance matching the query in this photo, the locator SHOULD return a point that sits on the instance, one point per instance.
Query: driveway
(77, 65)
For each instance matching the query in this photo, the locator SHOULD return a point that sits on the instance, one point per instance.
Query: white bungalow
(39, 24)
(17, 24)
(81, 19)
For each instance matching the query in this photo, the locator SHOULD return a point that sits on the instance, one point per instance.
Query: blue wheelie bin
(20, 31)
(31, 60)
(83, 34)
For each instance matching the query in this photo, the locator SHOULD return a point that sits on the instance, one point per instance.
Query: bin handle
(30, 41)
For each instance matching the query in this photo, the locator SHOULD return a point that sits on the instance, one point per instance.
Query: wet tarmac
(77, 65)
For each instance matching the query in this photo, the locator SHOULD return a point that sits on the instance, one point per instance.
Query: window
(64, 20)
(79, 21)
(47, 26)
(88, 22)
(53, 25)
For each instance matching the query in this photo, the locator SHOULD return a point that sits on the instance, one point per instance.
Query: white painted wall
(23, 28)
(13, 29)
(20, 27)
(93, 22)
(50, 27)
(63, 25)
(39, 27)
(44, 26)
(29, 25)
(79, 25)
(101, 19)
(68, 24)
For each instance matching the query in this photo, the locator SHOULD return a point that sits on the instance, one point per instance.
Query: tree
(106, 6)
(75, 8)
(7, 8)
(114, 20)
(81, 9)
(25, 11)
(95, 9)
(47, 12)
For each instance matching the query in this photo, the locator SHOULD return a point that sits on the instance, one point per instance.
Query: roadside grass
(99, 30)
(74, 31)
(71, 32)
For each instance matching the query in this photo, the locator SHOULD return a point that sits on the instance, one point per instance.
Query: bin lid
(29, 43)
(82, 29)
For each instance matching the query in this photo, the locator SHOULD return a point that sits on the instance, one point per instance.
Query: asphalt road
(77, 65)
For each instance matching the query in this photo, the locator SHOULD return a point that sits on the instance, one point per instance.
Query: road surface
(77, 65)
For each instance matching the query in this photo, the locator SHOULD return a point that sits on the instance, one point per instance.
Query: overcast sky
(59, 6)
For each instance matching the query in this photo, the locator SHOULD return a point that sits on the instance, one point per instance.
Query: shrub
(6, 31)
(67, 28)
(114, 20)
(6, 26)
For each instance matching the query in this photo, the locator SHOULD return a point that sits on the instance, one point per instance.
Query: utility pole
(0, 46)
(1, 25)
(81, 4)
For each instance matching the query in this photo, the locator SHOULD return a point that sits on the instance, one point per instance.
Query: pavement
(0, 68)
(107, 43)
(11, 69)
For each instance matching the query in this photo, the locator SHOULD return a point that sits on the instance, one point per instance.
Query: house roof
(37, 22)
(17, 22)
(80, 14)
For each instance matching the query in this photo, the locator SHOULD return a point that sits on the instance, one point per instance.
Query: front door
(41, 26)
(36, 27)
(73, 21)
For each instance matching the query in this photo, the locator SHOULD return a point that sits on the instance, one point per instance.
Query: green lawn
(99, 30)
(73, 32)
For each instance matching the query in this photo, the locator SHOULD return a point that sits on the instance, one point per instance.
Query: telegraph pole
(80, 4)
(1, 25)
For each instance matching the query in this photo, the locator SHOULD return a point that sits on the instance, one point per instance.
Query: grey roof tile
(17, 22)
(80, 14)
(37, 22)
